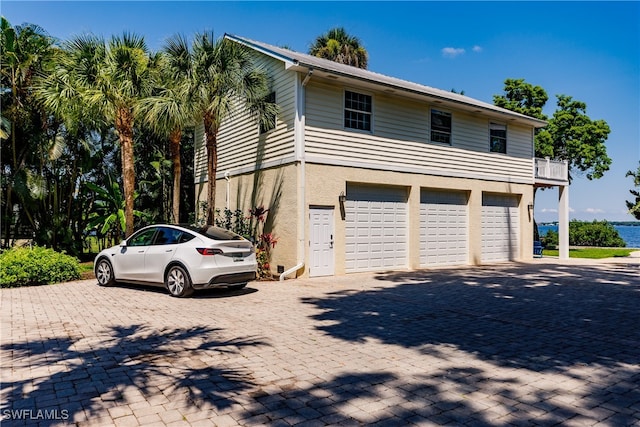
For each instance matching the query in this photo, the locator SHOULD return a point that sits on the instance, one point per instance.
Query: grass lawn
(86, 270)
(593, 253)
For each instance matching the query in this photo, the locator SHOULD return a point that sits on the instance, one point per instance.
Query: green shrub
(550, 240)
(597, 233)
(37, 266)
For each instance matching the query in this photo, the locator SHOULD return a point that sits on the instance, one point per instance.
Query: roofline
(422, 90)
(259, 48)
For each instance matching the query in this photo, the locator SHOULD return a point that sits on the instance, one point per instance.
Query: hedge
(36, 266)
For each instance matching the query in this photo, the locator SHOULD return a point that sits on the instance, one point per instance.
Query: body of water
(629, 233)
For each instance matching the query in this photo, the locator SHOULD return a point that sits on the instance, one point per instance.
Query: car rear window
(216, 233)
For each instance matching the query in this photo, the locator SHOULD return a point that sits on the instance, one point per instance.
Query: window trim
(344, 110)
(431, 129)
(498, 126)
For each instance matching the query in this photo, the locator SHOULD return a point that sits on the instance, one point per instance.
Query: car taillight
(209, 251)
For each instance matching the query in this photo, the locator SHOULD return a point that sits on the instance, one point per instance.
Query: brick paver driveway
(529, 344)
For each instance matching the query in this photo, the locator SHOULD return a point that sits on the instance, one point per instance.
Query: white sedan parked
(180, 258)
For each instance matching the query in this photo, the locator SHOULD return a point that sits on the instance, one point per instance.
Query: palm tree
(112, 79)
(222, 76)
(169, 111)
(26, 53)
(337, 45)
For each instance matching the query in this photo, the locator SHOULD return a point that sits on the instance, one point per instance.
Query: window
(168, 236)
(357, 111)
(497, 138)
(142, 238)
(440, 126)
(216, 233)
(266, 127)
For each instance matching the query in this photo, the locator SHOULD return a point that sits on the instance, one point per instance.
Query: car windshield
(216, 233)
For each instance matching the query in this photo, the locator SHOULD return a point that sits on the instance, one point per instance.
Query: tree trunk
(124, 126)
(174, 140)
(211, 132)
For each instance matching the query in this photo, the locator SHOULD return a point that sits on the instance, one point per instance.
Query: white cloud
(594, 211)
(452, 52)
(548, 210)
(477, 49)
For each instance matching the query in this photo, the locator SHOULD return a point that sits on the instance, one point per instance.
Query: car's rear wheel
(104, 272)
(178, 282)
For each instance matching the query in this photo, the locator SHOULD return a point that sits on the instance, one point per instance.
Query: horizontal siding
(200, 159)
(400, 138)
(240, 146)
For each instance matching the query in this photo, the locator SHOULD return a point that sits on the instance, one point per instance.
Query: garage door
(500, 227)
(376, 228)
(444, 235)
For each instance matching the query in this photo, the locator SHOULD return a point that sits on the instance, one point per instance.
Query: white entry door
(321, 244)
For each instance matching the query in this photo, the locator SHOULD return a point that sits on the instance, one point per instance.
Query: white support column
(563, 226)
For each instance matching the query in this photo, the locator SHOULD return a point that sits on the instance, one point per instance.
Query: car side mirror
(123, 244)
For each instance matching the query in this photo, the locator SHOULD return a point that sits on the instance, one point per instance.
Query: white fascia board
(288, 62)
(302, 62)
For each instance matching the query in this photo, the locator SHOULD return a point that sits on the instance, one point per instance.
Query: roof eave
(295, 64)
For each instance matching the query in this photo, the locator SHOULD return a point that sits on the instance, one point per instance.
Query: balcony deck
(551, 172)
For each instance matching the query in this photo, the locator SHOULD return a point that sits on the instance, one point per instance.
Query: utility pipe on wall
(226, 176)
(299, 137)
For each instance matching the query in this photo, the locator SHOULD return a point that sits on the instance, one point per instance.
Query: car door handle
(169, 250)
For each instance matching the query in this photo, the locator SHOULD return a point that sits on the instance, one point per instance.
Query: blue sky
(588, 50)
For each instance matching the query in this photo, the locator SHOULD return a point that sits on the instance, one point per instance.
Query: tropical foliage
(634, 205)
(97, 134)
(110, 79)
(255, 227)
(337, 45)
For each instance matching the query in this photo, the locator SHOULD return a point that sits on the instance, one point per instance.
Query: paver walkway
(544, 343)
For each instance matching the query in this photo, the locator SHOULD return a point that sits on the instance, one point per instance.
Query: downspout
(226, 177)
(300, 157)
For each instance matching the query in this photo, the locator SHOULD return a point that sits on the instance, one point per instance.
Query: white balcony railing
(553, 170)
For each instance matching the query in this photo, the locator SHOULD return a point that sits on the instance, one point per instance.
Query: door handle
(331, 242)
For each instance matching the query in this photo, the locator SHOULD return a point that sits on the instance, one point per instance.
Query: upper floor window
(266, 127)
(497, 138)
(440, 126)
(357, 111)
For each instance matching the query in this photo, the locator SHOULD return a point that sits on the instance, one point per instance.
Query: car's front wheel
(178, 282)
(104, 273)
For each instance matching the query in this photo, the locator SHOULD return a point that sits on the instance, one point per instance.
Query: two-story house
(366, 172)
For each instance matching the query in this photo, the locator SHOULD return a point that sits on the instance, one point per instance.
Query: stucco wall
(325, 183)
(248, 190)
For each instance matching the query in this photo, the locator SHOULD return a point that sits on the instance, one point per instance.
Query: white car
(180, 258)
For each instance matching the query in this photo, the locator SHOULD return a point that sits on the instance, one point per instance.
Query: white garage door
(376, 228)
(443, 228)
(500, 227)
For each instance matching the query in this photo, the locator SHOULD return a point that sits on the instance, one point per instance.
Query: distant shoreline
(629, 231)
(624, 223)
